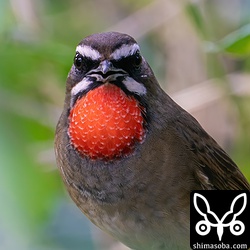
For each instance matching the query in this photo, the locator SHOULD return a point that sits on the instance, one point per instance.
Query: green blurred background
(199, 51)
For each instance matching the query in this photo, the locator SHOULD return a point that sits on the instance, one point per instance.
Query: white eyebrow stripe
(79, 87)
(134, 86)
(124, 51)
(87, 51)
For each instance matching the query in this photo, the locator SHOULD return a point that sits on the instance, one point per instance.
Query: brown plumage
(140, 198)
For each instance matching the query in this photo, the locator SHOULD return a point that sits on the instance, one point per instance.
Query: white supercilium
(125, 51)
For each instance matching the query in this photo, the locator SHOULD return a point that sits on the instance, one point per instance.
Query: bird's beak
(106, 70)
(105, 66)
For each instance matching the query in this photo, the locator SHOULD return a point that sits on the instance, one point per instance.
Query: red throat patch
(106, 123)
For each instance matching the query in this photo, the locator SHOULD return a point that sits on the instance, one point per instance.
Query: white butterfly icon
(236, 227)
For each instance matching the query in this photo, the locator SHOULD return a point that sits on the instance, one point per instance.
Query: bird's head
(105, 97)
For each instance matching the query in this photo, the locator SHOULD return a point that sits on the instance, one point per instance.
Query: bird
(129, 155)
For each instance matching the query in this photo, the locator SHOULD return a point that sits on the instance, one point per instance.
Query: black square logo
(220, 219)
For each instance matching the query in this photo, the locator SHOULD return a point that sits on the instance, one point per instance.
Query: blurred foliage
(237, 42)
(37, 46)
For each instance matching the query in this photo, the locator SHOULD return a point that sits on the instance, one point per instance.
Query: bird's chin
(108, 77)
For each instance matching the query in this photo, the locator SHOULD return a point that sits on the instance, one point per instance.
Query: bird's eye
(137, 59)
(78, 61)
(84, 63)
(129, 63)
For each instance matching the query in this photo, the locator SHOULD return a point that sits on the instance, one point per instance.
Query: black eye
(78, 61)
(84, 63)
(129, 63)
(137, 59)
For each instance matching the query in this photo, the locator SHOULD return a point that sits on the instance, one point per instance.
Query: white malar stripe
(89, 52)
(124, 51)
(79, 87)
(134, 86)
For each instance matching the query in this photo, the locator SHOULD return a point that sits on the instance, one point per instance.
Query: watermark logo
(220, 219)
(203, 227)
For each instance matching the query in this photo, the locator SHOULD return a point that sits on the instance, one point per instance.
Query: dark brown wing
(215, 169)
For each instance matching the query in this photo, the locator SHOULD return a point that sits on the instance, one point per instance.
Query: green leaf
(237, 42)
(197, 18)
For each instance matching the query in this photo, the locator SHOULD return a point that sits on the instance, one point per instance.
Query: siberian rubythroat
(128, 154)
